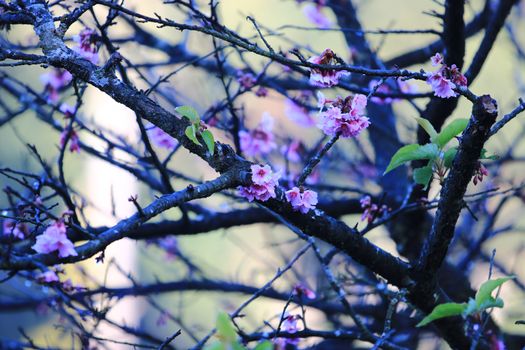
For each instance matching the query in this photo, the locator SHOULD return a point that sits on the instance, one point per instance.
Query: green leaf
(443, 310)
(450, 131)
(412, 152)
(484, 155)
(265, 345)
(216, 346)
(427, 126)
(207, 136)
(423, 175)
(237, 346)
(484, 294)
(191, 133)
(225, 327)
(449, 156)
(190, 113)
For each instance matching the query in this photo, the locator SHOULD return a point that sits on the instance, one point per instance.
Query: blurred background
(240, 254)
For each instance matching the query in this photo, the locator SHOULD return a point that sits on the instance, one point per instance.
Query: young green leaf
(190, 113)
(191, 133)
(225, 327)
(423, 175)
(207, 136)
(484, 155)
(412, 152)
(427, 126)
(443, 310)
(484, 294)
(450, 131)
(449, 156)
(265, 345)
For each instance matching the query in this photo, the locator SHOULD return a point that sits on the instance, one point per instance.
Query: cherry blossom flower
(383, 88)
(170, 245)
(314, 14)
(261, 92)
(301, 200)
(289, 325)
(345, 117)
(292, 152)
(263, 186)
(161, 138)
(371, 210)
(48, 277)
(479, 173)
(86, 45)
(68, 110)
(301, 290)
(55, 80)
(53, 239)
(298, 114)
(246, 80)
(325, 77)
(260, 140)
(444, 80)
(71, 135)
(16, 229)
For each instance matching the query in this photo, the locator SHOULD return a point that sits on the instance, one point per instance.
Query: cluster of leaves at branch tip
(228, 336)
(438, 152)
(483, 301)
(197, 127)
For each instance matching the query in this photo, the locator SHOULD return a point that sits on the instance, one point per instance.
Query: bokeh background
(248, 254)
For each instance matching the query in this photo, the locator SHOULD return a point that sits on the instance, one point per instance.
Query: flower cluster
(444, 80)
(54, 239)
(260, 140)
(55, 80)
(288, 325)
(87, 45)
(264, 181)
(301, 290)
(314, 14)
(325, 77)
(371, 210)
(69, 134)
(246, 80)
(479, 173)
(345, 116)
(16, 229)
(301, 200)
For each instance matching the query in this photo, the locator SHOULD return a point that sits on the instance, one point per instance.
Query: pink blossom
(263, 186)
(442, 87)
(86, 45)
(246, 80)
(261, 92)
(298, 113)
(53, 239)
(444, 80)
(288, 325)
(479, 173)
(16, 229)
(349, 124)
(69, 134)
(301, 290)
(161, 138)
(371, 210)
(436, 60)
(301, 200)
(55, 80)
(314, 14)
(260, 140)
(170, 245)
(47, 277)
(68, 110)
(293, 151)
(325, 77)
